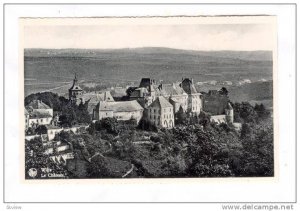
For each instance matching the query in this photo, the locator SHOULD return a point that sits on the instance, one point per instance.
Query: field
(53, 70)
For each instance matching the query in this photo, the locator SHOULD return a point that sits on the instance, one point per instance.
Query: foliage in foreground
(195, 148)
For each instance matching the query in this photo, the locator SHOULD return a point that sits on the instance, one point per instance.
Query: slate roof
(161, 102)
(94, 99)
(75, 85)
(188, 86)
(119, 106)
(37, 104)
(170, 89)
(75, 88)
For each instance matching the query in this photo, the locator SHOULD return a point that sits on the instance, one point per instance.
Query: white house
(160, 113)
(121, 110)
(38, 113)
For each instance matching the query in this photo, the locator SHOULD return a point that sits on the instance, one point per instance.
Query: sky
(205, 37)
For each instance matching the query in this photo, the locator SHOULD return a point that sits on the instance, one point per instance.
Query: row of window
(166, 116)
(41, 120)
(153, 110)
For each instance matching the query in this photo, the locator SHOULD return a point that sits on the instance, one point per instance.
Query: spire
(75, 78)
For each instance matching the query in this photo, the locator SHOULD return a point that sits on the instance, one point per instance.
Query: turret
(229, 113)
(75, 91)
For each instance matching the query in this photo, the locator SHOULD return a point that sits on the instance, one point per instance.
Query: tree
(204, 119)
(180, 117)
(258, 155)
(98, 168)
(41, 129)
(261, 111)
(223, 91)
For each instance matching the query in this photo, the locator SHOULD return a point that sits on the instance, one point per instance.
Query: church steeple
(75, 80)
(75, 91)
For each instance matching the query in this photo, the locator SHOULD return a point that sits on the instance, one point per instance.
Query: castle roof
(94, 98)
(173, 100)
(37, 104)
(188, 86)
(161, 102)
(75, 86)
(170, 89)
(147, 83)
(119, 106)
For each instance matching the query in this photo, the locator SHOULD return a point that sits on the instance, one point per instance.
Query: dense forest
(194, 148)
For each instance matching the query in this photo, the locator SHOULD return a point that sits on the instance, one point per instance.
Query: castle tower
(229, 113)
(75, 92)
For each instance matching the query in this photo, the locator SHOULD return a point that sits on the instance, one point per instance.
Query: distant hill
(49, 68)
(241, 55)
(257, 92)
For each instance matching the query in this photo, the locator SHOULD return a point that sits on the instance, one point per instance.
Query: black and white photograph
(144, 106)
(180, 97)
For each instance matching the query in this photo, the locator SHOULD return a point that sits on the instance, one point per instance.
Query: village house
(160, 113)
(60, 152)
(52, 131)
(38, 113)
(121, 110)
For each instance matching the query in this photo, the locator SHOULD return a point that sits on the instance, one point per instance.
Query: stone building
(145, 94)
(194, 104)
(93, 98)
(160, 113)
(75, 92)
(38, 113)
(121, 110)
(174, 93)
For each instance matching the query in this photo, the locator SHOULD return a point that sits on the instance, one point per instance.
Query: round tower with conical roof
(229, 113)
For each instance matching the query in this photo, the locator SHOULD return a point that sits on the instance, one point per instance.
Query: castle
(156, 103)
